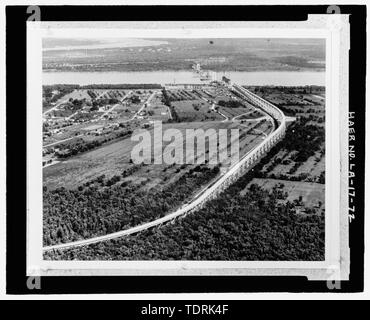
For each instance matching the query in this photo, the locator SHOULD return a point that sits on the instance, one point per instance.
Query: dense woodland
(108, 205)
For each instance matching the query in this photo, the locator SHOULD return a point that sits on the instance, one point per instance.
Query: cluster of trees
(76, 147)
(105, 101)
(70, 107)
(289, 111)
(94, 107)
(197, 94)
(186, 116)
(230, 104)
(252, 226)
(80, 145)
(321, 178)
(304, 138)
(167, 101)
(135, 99)
(289, 90)
(102, 181)
(301, 177)
(62, 89)
(76, 103)
(93, 210)
(196, 106)
(293, 111)
(83, 116)
(131, 170)
(180, 95)
(92, 94)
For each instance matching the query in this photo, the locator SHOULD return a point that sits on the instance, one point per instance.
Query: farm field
(251, 115)
(313, 166)
(198, 105)
(313, 194)
(90, 94)
(192, 105)
(230, 97)
(182, 94)
(241, 113)
(124, 112)
(113, 158)
(81, 94)
(107, 94)
(77, 94)
(195, 110)
(282, 165)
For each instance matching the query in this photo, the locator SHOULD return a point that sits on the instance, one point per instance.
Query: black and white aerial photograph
(183, 149)
(203, 152)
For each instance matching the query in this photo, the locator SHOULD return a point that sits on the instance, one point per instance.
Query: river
(281, 78)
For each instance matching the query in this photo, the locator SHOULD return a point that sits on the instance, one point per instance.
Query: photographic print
(184, 148)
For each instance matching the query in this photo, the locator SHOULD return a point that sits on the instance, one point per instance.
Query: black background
(16, 17)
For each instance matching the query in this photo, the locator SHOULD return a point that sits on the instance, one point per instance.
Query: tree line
(255, 226)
